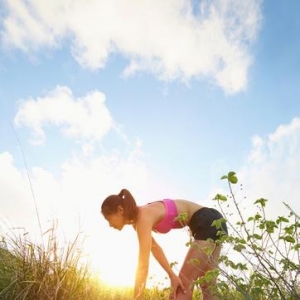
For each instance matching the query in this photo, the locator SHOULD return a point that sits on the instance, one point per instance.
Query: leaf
(289, 239)
(281, 219)
(232, 178)
(296, 247)
(261, 201)
(182, 218)
(220, 197)
(270, 226)
(239, 248)
(289, 229)
(218, 223)
(256, 236)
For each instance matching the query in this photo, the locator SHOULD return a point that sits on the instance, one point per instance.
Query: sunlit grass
(43, 271)
(48, 270)
(51, 271)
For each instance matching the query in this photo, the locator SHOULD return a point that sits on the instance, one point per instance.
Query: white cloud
(272, 169)
(22, 21)
(86, 119)
(167, 38)
(76, 191)
(15, 190)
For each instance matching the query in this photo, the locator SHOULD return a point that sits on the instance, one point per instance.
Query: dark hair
(124, 199)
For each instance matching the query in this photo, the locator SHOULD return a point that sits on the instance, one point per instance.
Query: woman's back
(188, 207)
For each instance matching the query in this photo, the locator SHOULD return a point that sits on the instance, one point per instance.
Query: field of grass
(51, 272)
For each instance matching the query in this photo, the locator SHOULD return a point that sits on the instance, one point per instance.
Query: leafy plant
(264, 253)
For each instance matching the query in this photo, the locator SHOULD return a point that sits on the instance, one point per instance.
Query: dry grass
(43, 271)
(48, 270)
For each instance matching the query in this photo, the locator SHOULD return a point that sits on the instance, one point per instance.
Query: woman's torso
(157, 210)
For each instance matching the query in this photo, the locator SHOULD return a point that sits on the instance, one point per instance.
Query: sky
(159, 97)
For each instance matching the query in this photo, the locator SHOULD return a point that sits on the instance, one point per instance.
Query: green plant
(266, 251)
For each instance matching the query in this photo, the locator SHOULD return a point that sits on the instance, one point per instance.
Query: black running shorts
(201, 224)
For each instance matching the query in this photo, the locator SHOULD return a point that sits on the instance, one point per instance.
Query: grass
(31, 271)
(48, 271)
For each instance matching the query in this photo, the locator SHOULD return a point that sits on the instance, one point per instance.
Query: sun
(113, 257)
(117, 273)
(114, 261)
(118, 279)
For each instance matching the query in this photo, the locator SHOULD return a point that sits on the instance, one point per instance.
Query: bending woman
(162, 216)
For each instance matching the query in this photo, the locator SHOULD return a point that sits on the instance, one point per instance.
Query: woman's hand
(176, 283)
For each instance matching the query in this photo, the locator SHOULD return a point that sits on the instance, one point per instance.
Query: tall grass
(43, 271)
(51, 271)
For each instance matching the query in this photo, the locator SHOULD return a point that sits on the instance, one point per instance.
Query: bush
(264, 260)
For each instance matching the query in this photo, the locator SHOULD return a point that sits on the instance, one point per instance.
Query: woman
(162, 216)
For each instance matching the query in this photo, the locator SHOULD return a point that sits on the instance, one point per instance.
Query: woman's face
(116, 220)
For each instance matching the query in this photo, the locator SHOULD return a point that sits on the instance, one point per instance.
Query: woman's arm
(143, 230)
(160, 256)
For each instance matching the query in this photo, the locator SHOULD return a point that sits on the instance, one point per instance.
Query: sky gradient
(160, 97)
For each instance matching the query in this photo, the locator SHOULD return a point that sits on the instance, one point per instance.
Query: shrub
(264, 259)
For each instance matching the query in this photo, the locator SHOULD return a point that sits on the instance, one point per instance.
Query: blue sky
(160, 97)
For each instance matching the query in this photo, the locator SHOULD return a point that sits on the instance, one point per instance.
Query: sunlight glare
(115, 260)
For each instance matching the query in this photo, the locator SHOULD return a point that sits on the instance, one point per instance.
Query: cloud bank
(174, 40)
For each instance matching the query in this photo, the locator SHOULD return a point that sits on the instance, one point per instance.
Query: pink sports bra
(168, 222)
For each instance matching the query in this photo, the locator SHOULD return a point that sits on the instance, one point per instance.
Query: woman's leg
(201, 257)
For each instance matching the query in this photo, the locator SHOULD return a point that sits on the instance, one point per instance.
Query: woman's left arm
(159, 255)
(143, 230)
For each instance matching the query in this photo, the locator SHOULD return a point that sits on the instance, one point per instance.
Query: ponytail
(123, 192)
(129, 205)
(124, 199)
